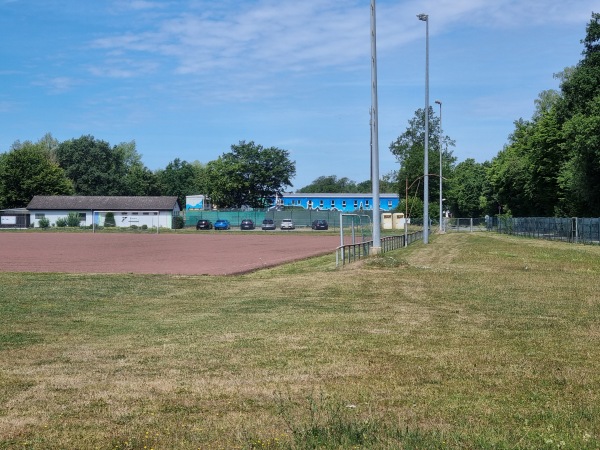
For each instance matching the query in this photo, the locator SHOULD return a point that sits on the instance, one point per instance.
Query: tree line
(549, 167)
(246, 176)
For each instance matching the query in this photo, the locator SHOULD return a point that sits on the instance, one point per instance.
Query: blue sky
(189, 78)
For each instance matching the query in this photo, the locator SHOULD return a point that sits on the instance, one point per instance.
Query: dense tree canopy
(248, 175)
(94, 167)
(551, 165)
(28, 170)
(334, 185)
(409, 151)
(180, 178)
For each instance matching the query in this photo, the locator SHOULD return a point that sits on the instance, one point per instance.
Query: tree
(510, 174)
(409, 151)
(28, 170)
(467, 188)
(179, 178)
(579, 116)
(249, 175)
(94, 167)
(387, 185)
(329, 184)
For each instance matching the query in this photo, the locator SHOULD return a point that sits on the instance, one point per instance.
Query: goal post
(126, 220)
(357, 223)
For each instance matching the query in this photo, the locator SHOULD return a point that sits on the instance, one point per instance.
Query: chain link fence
(582, 230)
(301, 217)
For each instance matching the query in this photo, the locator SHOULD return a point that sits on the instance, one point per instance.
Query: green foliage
(552, 163)
(409, 151)
(61, 222)
(180, 178)
(332, 184)
(109, 220)
(73, 219)
(465, 189)
(248, 175)
(28, 170)
(44, 222)
(93, 166)
(178, 222)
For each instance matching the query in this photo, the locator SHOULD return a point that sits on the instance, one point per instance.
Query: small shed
(127, 210)
(14, 218)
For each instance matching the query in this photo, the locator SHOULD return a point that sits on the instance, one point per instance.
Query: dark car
(222, 224)
(268, 224)
(247, 224)
(320, 224)
(204, 224)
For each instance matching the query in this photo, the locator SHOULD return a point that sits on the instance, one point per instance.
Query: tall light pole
(374, 137)
(425, 18)
(440, 139)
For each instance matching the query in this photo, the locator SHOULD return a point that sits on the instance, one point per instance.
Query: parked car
(247, 224)
(204, 224)
(320, 224)
(287, 224)
(222, 224)
(268, 224)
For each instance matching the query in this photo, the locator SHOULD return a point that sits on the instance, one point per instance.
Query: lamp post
(441, 199)
(425, 18)
(374, 137)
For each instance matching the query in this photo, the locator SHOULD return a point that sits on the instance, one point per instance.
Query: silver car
(287, 224)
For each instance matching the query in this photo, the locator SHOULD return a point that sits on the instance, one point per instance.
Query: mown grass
(474, 341)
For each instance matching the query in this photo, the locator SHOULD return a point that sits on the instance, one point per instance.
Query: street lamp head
(439, 102)
(423, 17)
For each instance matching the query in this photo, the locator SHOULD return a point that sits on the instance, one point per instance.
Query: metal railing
(352, 252)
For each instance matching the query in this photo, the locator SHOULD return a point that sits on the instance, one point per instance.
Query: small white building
(92, 210)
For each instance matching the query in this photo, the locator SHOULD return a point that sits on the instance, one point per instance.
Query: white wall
(139, 218)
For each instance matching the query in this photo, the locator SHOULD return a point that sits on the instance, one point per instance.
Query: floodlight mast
(425, 18)
(439, 102)
(374, 138)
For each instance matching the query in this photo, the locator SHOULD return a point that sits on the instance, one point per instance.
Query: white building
(127, 211)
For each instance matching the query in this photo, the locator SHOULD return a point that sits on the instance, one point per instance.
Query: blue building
(338, 202)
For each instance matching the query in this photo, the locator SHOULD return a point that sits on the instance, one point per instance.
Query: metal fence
(468, 224)
(351, 252)
(580, 230)
(301, 217)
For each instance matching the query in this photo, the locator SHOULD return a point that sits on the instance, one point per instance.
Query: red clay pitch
(211, 253)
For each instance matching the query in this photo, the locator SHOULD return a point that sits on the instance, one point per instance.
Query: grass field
(474, 341)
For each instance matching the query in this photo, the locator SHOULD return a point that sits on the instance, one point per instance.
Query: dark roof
(99, 203)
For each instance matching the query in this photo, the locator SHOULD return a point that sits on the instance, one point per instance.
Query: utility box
(398, 221)
(387, 221)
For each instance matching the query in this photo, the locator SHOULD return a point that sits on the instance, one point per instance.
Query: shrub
(61, 222)
(178, 222)
(144, 227)
(133, 227)
(44, 222)
(73, 219)
(109, 220)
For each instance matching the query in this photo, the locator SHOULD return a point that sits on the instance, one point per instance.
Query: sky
(190, 78)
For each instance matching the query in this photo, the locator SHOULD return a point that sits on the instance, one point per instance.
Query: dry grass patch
(474, 341)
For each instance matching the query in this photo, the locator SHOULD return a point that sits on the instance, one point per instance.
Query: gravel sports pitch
(220, 253)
